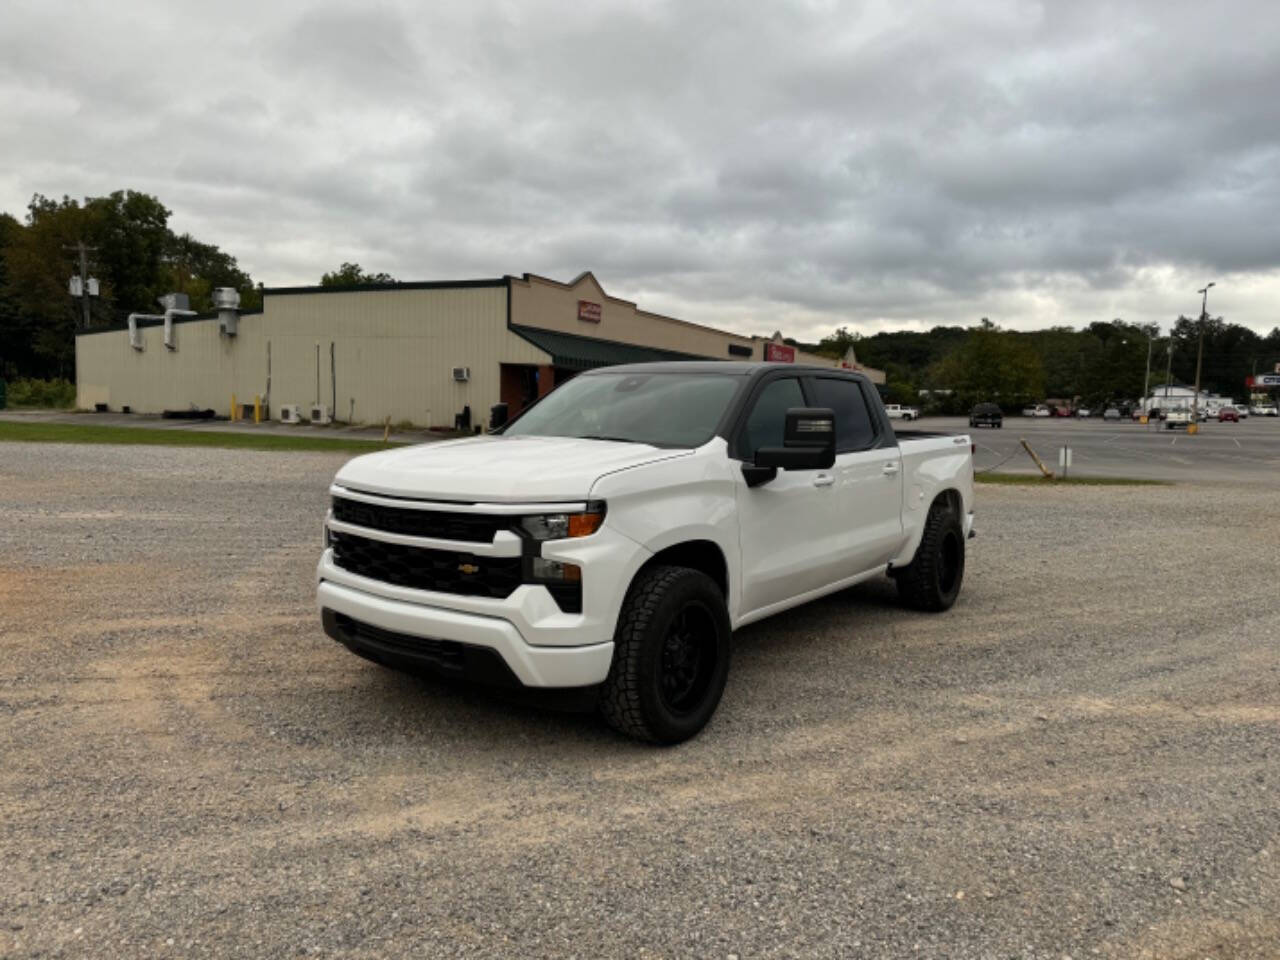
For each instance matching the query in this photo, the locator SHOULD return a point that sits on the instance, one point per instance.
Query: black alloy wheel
(688, 658)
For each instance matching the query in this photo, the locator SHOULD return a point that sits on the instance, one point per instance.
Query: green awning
(575, 352)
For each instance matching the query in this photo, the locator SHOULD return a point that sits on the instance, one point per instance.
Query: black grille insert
(467, 527)
(443, 570)
(445, 653)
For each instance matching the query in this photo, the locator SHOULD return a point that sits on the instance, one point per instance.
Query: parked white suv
(611, 538)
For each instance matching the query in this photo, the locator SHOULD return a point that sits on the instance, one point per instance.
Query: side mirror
(808, 443)
(498, 416)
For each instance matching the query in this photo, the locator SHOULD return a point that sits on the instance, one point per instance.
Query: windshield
(660, 409)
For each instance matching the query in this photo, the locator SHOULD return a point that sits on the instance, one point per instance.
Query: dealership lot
(1081, 758)
(1245, 452)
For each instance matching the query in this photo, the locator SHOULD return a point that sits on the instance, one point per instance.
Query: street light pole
(1204, 316)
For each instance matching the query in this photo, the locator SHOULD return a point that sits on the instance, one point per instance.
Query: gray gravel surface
(1082, 758)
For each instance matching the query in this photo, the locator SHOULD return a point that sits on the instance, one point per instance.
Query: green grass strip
(1036, 480)
(15, 432)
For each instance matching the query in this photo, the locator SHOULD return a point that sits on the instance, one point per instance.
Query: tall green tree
(352, 275)
(992, 365)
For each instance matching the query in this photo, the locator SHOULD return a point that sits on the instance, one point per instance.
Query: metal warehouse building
(437, 354)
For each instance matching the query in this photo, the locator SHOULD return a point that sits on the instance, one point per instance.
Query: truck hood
(497, 469)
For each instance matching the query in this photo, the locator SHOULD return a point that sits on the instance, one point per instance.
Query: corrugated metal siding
(394, 352)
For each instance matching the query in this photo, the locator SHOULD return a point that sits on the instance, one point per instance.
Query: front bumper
(454, 642)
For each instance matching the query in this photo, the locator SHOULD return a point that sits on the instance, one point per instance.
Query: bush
(46, 394)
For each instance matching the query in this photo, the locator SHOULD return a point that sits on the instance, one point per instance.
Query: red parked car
(1228, 415)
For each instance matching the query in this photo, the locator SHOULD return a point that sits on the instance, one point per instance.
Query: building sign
(588, 311)
(779, 353)
(1267, 380)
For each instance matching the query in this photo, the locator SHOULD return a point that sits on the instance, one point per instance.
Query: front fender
(663, 504)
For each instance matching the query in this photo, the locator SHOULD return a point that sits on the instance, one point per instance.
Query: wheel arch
(705, 556)
(950, 496)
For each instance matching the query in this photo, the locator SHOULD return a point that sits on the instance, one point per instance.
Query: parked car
(1228, 415)
(1111, 413)
(986, 415)
(1083, 412)
(1039, 410)
(1263, 410)
(1060, 411)
(897, 412)
(612, 538)
(1177, 418)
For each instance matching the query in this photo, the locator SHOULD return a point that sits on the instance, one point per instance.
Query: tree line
(137, 257)
(1103, 362)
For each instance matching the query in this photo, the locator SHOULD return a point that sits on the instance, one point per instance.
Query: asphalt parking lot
(1231, 453)
(1081, 758)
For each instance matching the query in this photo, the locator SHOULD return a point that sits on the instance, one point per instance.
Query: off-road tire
(632, 697)
(931, 582)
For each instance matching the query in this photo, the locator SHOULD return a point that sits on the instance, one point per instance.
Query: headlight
(561, 526)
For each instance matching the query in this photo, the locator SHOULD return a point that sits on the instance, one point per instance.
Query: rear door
(868, 475)
(790, 544)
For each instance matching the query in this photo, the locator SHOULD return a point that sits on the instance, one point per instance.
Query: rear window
(986, 408)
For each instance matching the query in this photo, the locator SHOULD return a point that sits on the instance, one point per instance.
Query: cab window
(767, 421)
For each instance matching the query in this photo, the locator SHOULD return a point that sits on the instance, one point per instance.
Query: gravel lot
(1082, 758)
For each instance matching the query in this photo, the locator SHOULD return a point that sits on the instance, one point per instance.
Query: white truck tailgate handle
(823, 480)
(890, 468)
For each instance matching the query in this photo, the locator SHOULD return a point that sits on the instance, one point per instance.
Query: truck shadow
(423, 705)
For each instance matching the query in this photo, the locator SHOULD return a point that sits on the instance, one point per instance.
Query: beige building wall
(393, 355)
(393, 350)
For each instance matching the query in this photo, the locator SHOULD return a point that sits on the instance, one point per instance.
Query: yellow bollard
(1193, 428)
(257, 408)
(235, 411)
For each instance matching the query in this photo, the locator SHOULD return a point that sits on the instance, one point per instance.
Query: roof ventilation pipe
(227, 302)
(168, 325)
(135, 335)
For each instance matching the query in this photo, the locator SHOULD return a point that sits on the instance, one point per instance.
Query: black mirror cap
(498, 416)
(796, 458)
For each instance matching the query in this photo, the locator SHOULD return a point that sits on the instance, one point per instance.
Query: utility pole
(1204, 316)
(84, 275)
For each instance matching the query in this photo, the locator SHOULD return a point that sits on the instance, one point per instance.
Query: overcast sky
(757, 166)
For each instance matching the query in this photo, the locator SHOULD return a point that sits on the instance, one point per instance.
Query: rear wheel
(931, 582)
(671, 656)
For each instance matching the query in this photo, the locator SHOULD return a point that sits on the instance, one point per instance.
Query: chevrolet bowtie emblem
(468, 568)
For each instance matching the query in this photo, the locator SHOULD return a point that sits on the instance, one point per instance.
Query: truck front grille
(442, 525)
(445, 571)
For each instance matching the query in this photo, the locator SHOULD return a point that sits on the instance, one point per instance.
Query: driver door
(790, 533)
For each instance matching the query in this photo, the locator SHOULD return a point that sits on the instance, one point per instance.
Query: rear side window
(853, 422)
(767, 423)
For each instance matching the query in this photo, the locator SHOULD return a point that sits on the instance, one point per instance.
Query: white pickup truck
(899, 412)
(612, 537)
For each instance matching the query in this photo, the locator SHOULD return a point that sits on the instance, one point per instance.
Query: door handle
(823, 480)
(890, 468)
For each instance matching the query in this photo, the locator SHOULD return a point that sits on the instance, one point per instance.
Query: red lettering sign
(779, 353)
(588, 311)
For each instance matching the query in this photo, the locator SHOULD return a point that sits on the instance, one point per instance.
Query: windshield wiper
(594, 436)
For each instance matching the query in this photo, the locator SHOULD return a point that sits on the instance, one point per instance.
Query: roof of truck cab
(733, 368)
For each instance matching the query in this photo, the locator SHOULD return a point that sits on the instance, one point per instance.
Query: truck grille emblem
(468, 568)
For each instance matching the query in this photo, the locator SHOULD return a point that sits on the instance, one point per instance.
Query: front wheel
(670, 658)
(931, 582)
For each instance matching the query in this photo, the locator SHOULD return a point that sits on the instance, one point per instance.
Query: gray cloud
(800, 165)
